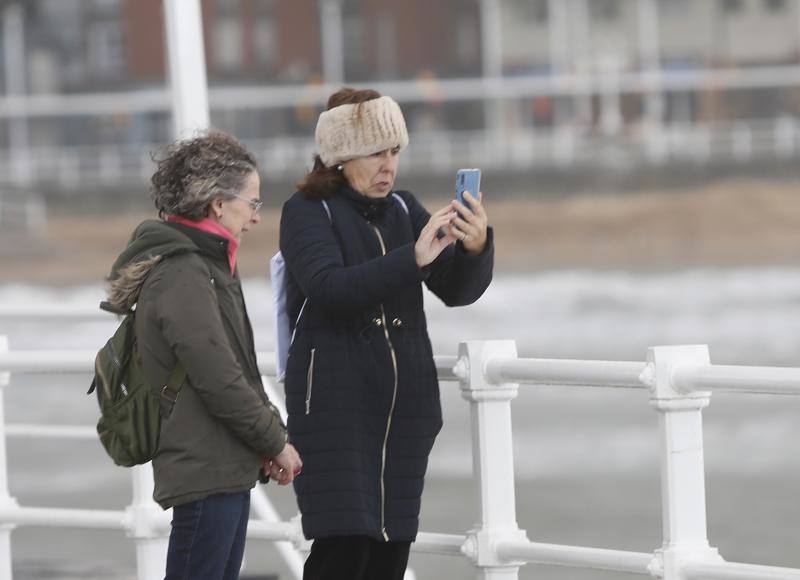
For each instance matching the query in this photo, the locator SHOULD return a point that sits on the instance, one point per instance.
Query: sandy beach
(726, 223)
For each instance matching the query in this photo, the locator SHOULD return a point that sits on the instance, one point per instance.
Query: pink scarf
(210, 226)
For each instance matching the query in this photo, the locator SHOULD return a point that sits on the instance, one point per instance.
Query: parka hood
(152, 240)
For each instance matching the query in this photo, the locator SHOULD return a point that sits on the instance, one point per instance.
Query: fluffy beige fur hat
(349, 131)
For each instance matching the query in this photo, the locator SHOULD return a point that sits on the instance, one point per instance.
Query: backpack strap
(400, 199)
(303, 307)
(176, 379)
(327, 210)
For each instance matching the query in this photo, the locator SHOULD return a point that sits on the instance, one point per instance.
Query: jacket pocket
(310, 381)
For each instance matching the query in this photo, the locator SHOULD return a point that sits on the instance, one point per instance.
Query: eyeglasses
(255, 204)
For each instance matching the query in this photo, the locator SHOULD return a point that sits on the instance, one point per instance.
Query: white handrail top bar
(273, 531)
(737, 571)
(426, 542)
(266, 363)
(56, 310)
(575, 556)
(739, 379)
(47, 361)
(445, 367)
(64, 517)
(435, 543)
(564, 372)
(80, 361)
(586, 373)
(55, 431)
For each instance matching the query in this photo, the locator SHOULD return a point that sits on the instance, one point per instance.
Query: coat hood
(152, 240)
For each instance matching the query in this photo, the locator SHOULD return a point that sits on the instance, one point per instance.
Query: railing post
(492, 458)
(683, 497)
(6, 501)
(146, 525)
(262, 505)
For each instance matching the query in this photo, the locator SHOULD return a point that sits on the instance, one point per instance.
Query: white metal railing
(74, 167)
(270, 96)
(680, 380)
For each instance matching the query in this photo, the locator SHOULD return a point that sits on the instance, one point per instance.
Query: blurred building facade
(503, 83)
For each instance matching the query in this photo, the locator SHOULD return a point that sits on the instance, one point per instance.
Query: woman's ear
(215, 210)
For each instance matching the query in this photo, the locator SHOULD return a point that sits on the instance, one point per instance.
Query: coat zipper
(310, 382)
(394, 399)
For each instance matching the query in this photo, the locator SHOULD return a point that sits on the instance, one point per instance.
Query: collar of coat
(210, 226)
(151, 242)
(369, 207)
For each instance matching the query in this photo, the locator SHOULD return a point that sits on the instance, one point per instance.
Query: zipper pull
(385, 535)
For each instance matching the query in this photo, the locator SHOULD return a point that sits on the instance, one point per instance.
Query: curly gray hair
(194, 172)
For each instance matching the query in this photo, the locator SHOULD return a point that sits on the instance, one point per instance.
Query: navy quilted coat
(361, 389)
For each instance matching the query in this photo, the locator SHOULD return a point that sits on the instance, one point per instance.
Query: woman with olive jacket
(180, 273)
(361, 387)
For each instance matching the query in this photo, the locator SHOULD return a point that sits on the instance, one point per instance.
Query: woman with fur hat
(180, 273)
(362, 392)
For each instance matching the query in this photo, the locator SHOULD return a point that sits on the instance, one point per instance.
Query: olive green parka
(190, 308)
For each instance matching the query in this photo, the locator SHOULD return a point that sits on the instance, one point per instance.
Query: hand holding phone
(469, 227)
(467, 180)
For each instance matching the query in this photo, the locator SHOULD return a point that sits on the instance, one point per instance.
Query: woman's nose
(389, 163)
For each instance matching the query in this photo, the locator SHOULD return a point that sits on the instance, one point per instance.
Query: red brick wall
(424, 34)
(298, 34)
(145, 46)
(143, 22)
(424, 31)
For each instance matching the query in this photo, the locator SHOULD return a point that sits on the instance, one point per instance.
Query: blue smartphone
(467, 180)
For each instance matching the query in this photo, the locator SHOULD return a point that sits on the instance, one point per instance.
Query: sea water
(587, 467)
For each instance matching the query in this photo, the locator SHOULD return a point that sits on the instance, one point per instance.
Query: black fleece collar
(369, 207)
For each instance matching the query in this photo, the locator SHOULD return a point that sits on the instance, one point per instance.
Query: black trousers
(356, 558)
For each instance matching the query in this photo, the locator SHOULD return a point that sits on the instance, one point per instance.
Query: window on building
(355, 42)
(775, 5)
(265, 42)
(674, 7)
(227, 6)
(228, 43)
(466, 31)
(105, 5)
(731, 6)
(265, 38)
(604, 9)
(104, 49)
(534, 10)
(386, 45)
(263, 8)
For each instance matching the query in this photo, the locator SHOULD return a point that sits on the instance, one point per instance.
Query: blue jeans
(207, 538)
